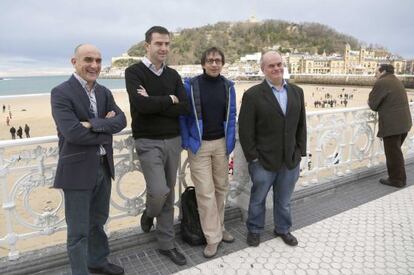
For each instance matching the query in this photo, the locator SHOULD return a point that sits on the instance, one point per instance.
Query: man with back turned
(389, 98)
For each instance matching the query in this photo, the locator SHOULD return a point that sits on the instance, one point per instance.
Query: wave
(23, 95)
(121, 90)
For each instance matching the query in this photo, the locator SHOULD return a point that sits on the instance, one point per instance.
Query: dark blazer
(389, 98)
(266, 133)
(78, 146)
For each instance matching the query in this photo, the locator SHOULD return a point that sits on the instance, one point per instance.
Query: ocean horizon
(35, 85)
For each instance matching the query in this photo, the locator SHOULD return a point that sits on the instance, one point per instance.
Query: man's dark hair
(209, 51)
(155, 29)
(388, 68)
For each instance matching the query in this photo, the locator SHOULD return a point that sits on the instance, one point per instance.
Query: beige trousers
(209, 173)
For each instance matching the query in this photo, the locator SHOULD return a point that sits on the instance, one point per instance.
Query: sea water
(15, 86)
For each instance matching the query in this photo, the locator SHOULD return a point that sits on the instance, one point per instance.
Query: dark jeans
(394, 158)
(86, 214)
(283, 183)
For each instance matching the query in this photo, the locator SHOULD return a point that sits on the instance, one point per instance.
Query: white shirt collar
(84, 83)
(284, 84)
(151, 66)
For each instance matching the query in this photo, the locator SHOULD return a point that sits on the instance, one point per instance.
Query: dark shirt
(213, 106)
(155, 117)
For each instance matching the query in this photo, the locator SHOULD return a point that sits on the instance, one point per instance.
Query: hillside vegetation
(240, 38)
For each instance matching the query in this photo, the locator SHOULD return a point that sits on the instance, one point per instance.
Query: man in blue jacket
(208, 133)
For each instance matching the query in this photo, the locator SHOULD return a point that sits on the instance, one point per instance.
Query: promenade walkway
(361, 227)
(374, 238)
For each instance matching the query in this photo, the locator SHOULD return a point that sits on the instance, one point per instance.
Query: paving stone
(379, 252)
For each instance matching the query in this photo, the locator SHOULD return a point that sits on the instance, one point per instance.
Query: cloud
(48, 30)
(22, 66)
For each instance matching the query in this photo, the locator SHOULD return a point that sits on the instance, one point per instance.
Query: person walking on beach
(13, 132)
(27, 130)
(157, 97)
(7, 121)
(389, 98)
(209, 135)
(4, 108)
(272, 131)
(20, 132)
(86, 117)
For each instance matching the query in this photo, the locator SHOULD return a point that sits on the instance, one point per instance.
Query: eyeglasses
(217, 61)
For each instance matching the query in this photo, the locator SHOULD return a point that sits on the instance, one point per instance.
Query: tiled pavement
(361, 227)
(375, 238)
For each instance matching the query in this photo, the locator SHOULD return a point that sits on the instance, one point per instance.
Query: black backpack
(191, 231)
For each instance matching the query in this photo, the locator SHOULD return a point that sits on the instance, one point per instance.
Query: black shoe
(287, 238)
(146, 222)
(174, 256)
(109, 269)
(393, 184)
(253, 239)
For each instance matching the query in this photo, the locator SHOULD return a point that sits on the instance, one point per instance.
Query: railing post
(11, 238)
(374, 143)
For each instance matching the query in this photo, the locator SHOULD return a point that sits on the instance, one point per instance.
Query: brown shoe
(253, 239)
(174, 255)
(390, 183)
(287, 238)
(146, 222)
(227, 237)
(210, 250)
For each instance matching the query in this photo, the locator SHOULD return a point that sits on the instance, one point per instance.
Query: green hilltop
(240, 38)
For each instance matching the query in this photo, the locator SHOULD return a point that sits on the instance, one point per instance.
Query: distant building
(188, 70)
(409, 67)
(255, 57)
(126, 57)
(362, 61)
(253, 19)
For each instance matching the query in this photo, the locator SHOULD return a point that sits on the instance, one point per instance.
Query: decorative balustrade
(339, 141)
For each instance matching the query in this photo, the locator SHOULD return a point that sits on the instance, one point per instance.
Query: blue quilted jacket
(192, 125)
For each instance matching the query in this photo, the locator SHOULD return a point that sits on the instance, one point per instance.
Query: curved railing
(339, 141)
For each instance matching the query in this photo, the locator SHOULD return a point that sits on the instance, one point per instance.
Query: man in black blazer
(272, 131)
(86, 117)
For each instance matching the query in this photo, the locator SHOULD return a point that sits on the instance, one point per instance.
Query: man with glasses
(208, 133)
(86, 117)
(272, 131)
(157, 98)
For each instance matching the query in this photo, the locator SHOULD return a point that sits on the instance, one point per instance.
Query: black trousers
(394, 158)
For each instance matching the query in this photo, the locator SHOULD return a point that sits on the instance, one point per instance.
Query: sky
(38, 36)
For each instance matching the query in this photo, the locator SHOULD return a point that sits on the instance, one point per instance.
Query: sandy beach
(35, 111)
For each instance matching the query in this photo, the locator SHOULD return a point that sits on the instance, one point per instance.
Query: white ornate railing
(339, 141)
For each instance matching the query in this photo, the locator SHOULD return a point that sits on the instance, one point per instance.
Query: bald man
(86, 117)
(272, 131)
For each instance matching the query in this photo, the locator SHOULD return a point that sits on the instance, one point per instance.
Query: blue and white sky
(38, 36)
